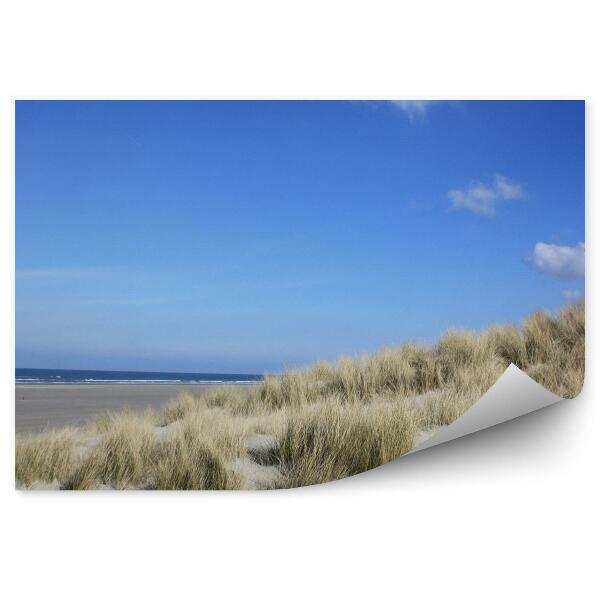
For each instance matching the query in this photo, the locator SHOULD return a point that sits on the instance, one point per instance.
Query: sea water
(69, 376)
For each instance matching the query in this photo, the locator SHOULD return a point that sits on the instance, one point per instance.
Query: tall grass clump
(231, 398)
(332, 440)
(182, 406)
(507, 343)
(186, 463)
(195, 455)
(45, 457)
(460, 351)
(555, 347)
(121, 458)
(190, 454)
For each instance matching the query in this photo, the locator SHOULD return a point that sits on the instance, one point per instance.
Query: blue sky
(253, 236)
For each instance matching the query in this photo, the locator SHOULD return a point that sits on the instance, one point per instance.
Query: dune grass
(120, 457)
(327, 421)
(47, 457)
(331, 440)
(186, 462)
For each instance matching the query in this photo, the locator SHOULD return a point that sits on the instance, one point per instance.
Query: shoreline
(48, 406)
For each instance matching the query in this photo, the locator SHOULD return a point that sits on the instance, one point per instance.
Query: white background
(507, 513)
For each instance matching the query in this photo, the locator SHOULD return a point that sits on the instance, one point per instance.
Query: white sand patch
(259, 470)
(262, 449)
(165, 431)
(43, 486)
(254, 476)
(85, 445)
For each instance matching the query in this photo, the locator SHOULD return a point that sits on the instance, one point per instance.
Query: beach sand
(39, 407)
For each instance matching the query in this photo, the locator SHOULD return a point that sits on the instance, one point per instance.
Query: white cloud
(413, 109)
(482, 199)
(572, 295)
(558, 261)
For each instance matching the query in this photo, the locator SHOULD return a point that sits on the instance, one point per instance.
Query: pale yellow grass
(326, 421)
(48, 457)
(332, 439)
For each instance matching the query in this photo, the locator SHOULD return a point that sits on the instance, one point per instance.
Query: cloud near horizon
(482, 199)
(413, 109)
(572, 295)
(559, 261)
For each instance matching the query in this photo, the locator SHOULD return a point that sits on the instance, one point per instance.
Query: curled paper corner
(513, 395)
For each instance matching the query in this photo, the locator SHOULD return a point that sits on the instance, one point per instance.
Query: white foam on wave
(93, 381)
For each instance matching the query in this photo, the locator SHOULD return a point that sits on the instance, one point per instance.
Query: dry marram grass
(323, 423)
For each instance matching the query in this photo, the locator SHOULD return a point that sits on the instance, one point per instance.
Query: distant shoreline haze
(30, 376)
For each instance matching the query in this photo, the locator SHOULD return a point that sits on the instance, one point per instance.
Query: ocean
(69, 376)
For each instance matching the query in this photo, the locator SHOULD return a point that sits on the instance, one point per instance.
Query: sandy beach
(39, 407)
